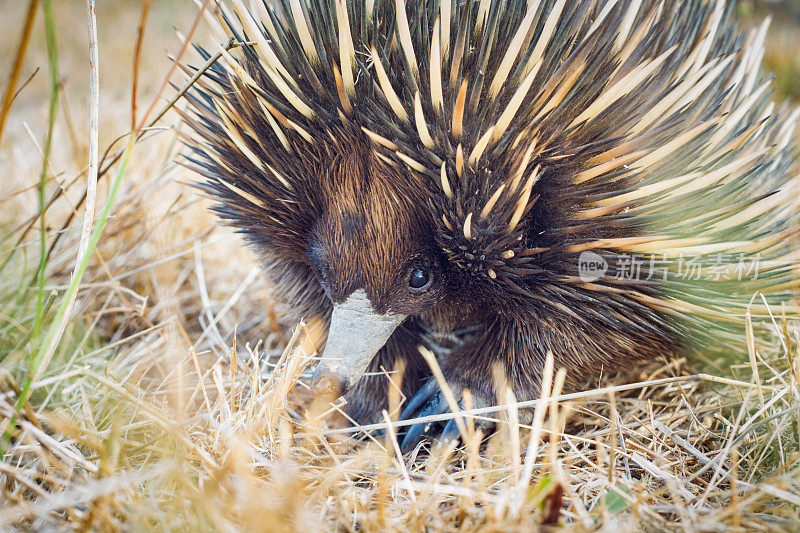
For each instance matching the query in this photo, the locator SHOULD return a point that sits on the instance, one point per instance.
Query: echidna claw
(435, 405)
(422, 395)
(450, 433)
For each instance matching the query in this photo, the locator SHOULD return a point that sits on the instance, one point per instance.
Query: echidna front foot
(430, 401)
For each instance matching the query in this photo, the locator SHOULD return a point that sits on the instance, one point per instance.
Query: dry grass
(167, 403)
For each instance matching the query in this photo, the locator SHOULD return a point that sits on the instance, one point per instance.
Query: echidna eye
(419, 279)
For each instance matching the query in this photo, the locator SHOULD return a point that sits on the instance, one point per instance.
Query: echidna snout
(355, 335)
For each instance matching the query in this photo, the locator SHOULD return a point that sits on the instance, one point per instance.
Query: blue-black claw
(413, 436)
(418, 400)
(435, 405)
(450, 433)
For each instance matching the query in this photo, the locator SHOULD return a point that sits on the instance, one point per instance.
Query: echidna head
(371, 248)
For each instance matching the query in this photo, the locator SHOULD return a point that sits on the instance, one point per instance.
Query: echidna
(606, 181)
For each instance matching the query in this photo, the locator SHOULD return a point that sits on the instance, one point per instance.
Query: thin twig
(137, 56)
(604, 391)
(22, 48)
